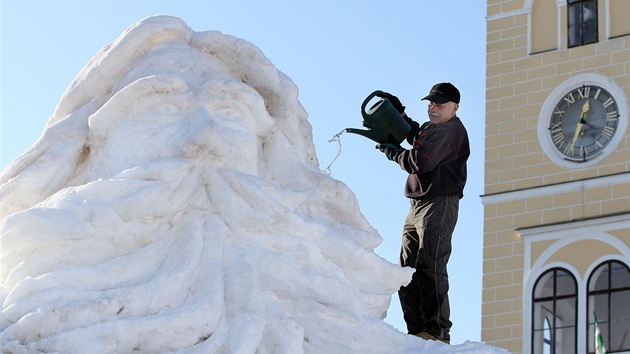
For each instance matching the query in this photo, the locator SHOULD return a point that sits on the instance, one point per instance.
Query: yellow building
(557, 176)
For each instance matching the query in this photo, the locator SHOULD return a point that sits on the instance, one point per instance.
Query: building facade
(557, 176)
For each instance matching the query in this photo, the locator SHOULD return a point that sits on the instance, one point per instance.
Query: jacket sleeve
(436, 149)
(415, 126)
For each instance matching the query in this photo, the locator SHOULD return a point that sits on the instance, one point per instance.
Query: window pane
(566, 316)
(590, 22)
(565, 340)
(599, 305)
(575, 25)
(548, 337)
(591, 337)
(544, 286)
(542, 310)
(542, 331)
(566, 312)
(599, 278)
(620, 276)
(620, 322)
(589, 11)
(565, 284)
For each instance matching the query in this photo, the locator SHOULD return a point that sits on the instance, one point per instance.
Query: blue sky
(336, 52)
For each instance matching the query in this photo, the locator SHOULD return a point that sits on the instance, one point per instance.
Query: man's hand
(391, 151)
(394, 100)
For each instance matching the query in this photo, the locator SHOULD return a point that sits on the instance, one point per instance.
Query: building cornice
(586, 225)
(556, 188)
(508, 14)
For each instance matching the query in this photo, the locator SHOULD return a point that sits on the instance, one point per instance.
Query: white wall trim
(574, 228)
(607, 12)
(560, 5)
(508, 14)
(555, 189)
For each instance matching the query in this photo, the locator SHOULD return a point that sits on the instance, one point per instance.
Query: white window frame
(563, 235)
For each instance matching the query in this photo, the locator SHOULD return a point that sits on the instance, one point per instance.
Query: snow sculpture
(174, 203)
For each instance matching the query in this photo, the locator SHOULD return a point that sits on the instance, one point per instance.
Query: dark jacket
(437, 162)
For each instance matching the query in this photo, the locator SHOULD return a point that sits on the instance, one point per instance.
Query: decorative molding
(508, 14)
(553, 189)
(585, 226)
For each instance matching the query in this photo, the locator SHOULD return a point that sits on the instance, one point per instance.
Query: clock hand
(585, 109)
(575, 136)
(578, 129)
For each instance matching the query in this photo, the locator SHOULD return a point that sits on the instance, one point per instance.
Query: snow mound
(174, 203)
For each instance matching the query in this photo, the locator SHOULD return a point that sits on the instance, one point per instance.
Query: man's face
(441, 112)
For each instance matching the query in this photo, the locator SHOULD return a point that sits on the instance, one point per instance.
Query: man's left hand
(390, 150)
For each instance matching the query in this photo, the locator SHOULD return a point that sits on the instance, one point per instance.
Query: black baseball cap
(442, 93)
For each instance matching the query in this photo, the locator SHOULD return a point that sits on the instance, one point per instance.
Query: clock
(583, 122)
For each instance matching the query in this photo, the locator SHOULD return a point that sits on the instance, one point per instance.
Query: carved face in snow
(188, 98)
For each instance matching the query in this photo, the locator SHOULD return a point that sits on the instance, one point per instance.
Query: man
(437, 174)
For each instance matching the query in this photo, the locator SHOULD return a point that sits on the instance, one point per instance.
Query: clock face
(583, 122)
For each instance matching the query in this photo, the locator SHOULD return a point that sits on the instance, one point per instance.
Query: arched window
(609, 298)
(582, 20)
(554, 329)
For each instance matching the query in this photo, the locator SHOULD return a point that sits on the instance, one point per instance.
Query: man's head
(443, 102)
(442, 93)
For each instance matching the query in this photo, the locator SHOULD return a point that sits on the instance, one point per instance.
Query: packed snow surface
(174, 203)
